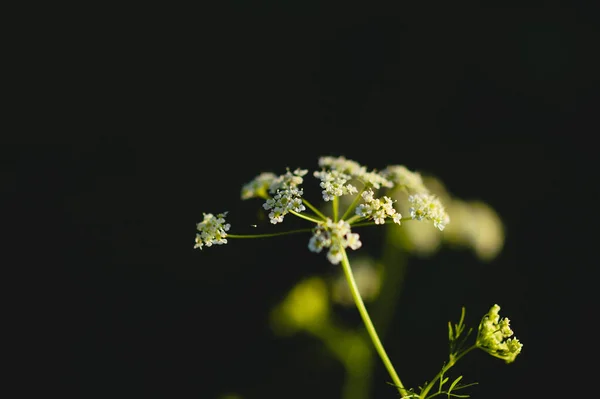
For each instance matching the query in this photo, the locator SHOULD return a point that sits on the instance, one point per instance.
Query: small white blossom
(341, 164)
(368, 196)
(212, 230)
(258, 186)
(494, 336)
(411, 182)
(337, 172)
(429, 207)
(353, 241)
(335, 184)
(287, 196)
(377, 209)
(335, 236)
(376, 179)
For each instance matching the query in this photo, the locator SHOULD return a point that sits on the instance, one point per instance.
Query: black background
(153, 117)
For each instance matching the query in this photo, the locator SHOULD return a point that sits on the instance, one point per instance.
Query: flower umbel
(334, 236)
(357, 197)
(287, 195)
(496, 337)
(337, 172)
(212, 230)
(377, 209)
(429, 207)
(405, 179)
(258, 186)
(335, 184)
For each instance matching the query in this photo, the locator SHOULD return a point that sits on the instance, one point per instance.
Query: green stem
(314, 209)
(336, 206)
(371, 223)
(300, 215)
(369, 324)
(283, 233)
(443, 371)
(353, 219)
(353, 204)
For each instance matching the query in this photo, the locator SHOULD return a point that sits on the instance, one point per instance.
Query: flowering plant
(366, 197)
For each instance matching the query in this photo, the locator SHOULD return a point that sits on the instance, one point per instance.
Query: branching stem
(447, 367)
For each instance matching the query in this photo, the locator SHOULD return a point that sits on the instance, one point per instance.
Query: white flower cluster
(494, 336)
(406, 179)
(377, 209)
(375, 179)
(212, 230)
(429, 207)
(335, 236)
(337, 172)
(335, 184)
(342, 164)
(287, 196)
(258, 186)
(338, 176)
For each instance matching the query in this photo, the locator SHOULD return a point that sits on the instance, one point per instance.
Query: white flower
(405, 179)
(335, 236)
(335, 184)
(212, 230)
(341, 164)
(376, 179)
(258, 186)
(429, 207)
(287, 196)
(337, 172)
(377, 209)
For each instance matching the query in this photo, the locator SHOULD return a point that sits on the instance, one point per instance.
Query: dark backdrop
(161, 115)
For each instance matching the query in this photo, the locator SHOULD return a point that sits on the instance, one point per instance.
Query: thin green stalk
(372, 223)
(443, 371)
(353, 204)
(283, 233)
(314, 209)
(300, 215)
(354, 218)
(369, 324)
(393, 263)
(336, 206)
